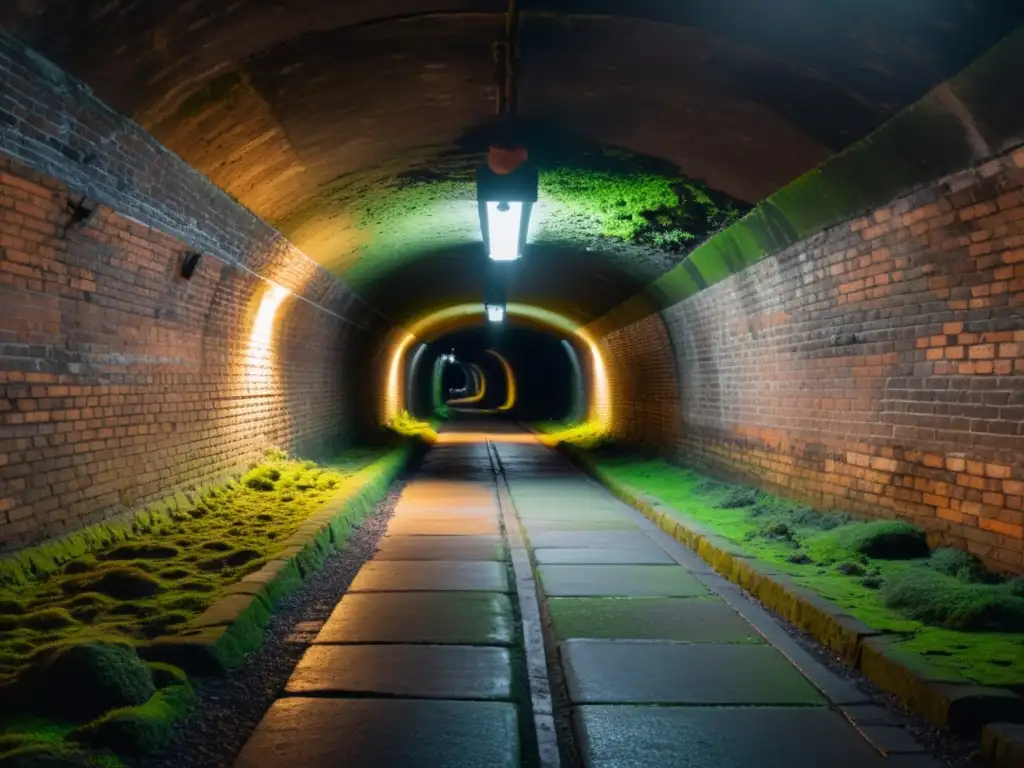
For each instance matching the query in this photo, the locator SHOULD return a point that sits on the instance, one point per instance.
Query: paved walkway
(661, 663)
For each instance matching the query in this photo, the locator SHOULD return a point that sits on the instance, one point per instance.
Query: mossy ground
(35, 740)
(587, 193)
(826, 553)
(169, 566)
(407, 425)
(586, 436)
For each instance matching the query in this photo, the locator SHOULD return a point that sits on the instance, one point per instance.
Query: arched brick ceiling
(303, 110)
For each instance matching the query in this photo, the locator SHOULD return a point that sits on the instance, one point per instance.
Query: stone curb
(219, 638)
(956, 704)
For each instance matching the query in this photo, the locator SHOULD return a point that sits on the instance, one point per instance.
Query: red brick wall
(121, 382)
(642, 382)
(922, 416)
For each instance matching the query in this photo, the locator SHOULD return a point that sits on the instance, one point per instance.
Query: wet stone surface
(720, 737)
(689, 619)
(619, 581)
(417, 671)
(384, 733)
(608, 671)
(455, 576)
(463, 618)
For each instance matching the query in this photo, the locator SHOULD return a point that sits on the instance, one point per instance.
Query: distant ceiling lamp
(495, 296)
(506, 189)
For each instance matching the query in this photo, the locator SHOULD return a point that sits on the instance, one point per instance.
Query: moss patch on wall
(947, 610)
(587, 193)
(636, 206)
(169, 565)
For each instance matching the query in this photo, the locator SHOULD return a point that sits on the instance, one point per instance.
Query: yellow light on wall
(259, 358)
(510, 382)
(600, 395)
(460, 315)
(481, 383)
(393, 385)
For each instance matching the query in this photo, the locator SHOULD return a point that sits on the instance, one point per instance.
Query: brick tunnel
(721, 464)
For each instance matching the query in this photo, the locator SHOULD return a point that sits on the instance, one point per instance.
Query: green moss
(121, 583)
(139, 552)
(838, 571)
(883, 539)
(927, 595)
(668, 212)
(262, 478)
(160, 570)
(139, 730)
(586, 436)
(166, 675)
(80, 682)
(35, 754)
(960, 565)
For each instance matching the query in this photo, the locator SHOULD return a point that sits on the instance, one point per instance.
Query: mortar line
(533, 630)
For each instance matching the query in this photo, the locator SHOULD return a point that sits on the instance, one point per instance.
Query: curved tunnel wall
(392, 384)
(121, 382)
(729, 359)
(858, 340)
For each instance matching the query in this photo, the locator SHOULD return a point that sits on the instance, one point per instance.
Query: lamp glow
(495, 313)
(503, 223)
(259, 369)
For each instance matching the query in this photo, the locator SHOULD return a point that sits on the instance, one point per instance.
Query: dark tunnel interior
(512, 383)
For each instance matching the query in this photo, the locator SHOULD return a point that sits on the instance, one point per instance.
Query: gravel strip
(230, 707)
(951, 750)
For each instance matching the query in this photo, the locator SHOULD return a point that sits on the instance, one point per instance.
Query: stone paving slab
(686, 619)
(444, 513)
(384, 733)
(448, 494)
(631, 539)
(557, 493)
(619, 581)
(416, 526)
(574, 510)
(596, 516)
(535, 526)
(603, 556)
(489, 547)
(415, 671)
(430, 576)
(421, 617)
(654, 672)
(720, 737)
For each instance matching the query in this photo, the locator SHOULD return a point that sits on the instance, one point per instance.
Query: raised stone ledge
(955, 704)
(219, 639)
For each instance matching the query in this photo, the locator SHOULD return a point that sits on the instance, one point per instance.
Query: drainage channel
(531, 622)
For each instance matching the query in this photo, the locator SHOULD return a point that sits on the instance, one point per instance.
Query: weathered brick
(916, 421)
(223, 400)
